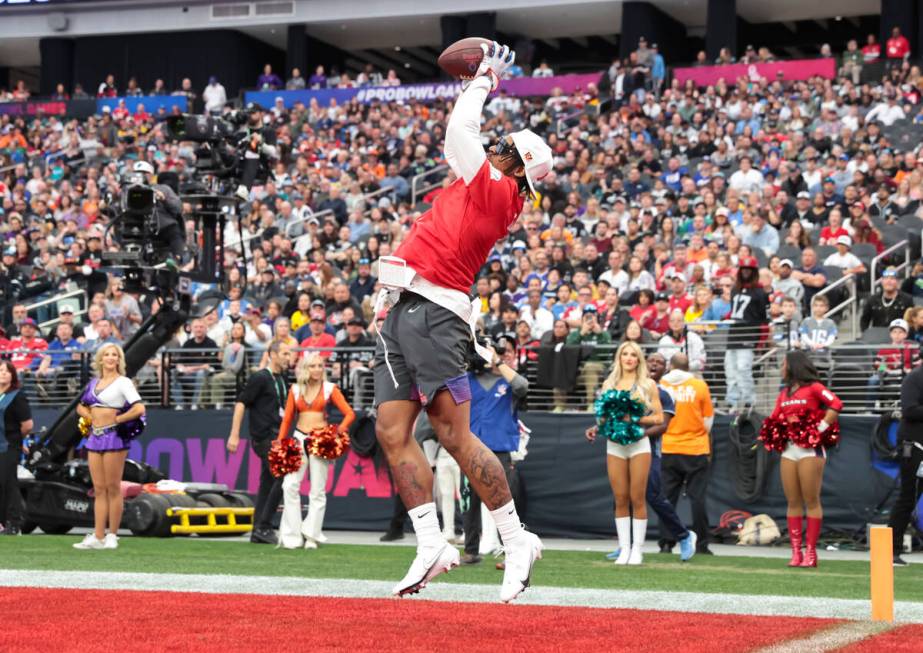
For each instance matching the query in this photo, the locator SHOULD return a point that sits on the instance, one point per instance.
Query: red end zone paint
(904, 639)
(104, 620)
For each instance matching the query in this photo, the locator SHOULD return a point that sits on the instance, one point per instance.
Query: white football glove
(497, 58)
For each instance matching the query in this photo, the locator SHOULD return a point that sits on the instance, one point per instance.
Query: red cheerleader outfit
(805, 406)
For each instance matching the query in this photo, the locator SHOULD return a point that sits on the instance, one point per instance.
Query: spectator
(785, 326)
(659, 322)
(193, 367)
(853, 59)
(844, 259)
(258, 334)
(62, 362)
(543, 70)
(897, 48)
(538, 318)
(268, 81)
(353, 353)
(892, 363)
(679, 339)
(223, 384)
(26, 349)
(159, 88)
(914, 319)
(750, 312)
(318, 79)
(296, 81)
(591, 333)
(214, 96)
(871, 51)
(817, 333)
(760, 235)
(787, 284)
(746, 179)
(887, 112)
(881, 309)
(302, 314)
(658, 70)
(123, 310)
(107, 88)
(810, 275)
(391, 79)
(686, 445)
(319, 339)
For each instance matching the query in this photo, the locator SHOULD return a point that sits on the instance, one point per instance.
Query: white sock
(623, 530)
(426, 525)
(507, 520)
(638, 532)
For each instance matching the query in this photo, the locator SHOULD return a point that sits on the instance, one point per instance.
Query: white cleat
(111, 541)
(636, 557)
(521, 555)
(624, 556)
(90, 542)
(429, 563)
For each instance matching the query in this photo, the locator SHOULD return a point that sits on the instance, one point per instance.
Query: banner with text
(566, 491)
(519, 87)
(799, 69)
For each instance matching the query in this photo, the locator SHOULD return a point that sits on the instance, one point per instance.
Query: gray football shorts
(428, 349)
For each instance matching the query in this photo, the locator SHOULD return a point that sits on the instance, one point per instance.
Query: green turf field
(712, 574)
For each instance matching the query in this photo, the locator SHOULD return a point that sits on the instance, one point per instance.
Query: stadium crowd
(660, 192)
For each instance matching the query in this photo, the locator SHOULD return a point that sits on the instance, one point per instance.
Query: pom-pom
(801, 430)
(128, 431)
(612, 407)
(774, 434)
(804, 432)
(328, 443)
(83, 426)
(284, 457)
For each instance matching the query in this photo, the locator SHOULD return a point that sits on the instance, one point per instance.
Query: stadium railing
(419, 187)
(46, 312)
(847, 369)
(887, 258)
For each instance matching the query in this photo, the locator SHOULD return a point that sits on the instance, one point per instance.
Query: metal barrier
(903, 267)
(416, 180)
(850, 283)
(866, 377)
(35, 309)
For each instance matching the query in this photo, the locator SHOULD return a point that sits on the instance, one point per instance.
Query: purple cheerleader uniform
(120, 395)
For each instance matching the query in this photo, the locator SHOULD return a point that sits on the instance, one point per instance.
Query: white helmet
(143, 166)
(535, 154)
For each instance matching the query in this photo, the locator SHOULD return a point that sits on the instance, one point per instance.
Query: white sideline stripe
(830, 639)
(469, 593)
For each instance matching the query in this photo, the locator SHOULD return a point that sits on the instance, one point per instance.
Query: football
(462, 58)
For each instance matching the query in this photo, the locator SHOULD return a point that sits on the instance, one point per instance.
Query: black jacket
(911, 426)
(875, 313)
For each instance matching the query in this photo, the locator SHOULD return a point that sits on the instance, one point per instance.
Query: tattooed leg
(452, 424)
(410, 472)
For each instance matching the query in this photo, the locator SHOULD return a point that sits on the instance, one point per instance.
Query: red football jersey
(449, 243)
(814, 398)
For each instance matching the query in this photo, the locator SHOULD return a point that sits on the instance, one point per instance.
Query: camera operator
(497, 391)
(168, 211)
(257, 144)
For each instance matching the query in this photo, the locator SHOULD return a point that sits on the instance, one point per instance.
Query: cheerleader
(628, 450)
(307, 401)
(803, 402)
(112, 408)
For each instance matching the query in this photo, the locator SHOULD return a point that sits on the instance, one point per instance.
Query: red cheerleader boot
(810, 556)
(794, 535)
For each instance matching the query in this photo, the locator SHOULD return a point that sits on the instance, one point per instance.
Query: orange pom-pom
(327, 443)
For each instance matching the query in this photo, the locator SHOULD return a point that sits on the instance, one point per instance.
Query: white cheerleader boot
(623, 529)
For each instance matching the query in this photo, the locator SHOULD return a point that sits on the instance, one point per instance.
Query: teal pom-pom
(612, 406)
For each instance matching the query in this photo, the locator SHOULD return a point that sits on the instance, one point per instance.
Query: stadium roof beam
(554, 43)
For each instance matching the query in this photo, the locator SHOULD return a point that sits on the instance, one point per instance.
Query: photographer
(497, 392)
(168, 211)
